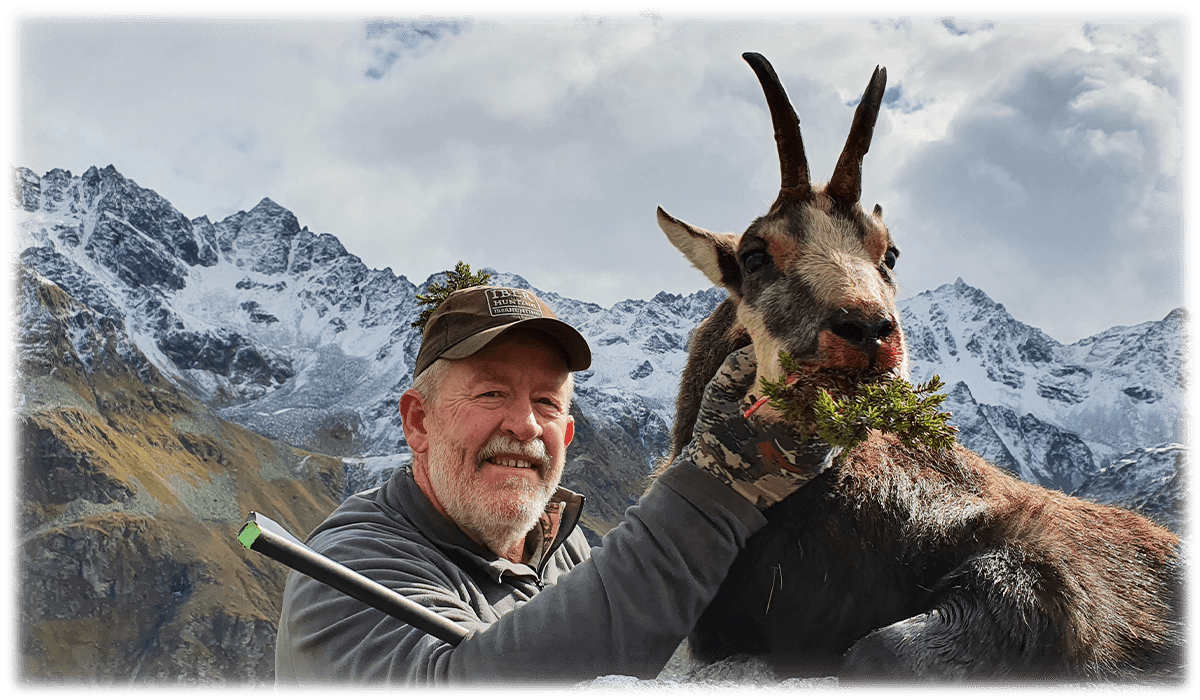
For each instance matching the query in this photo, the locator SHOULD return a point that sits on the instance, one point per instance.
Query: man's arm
(624, 611)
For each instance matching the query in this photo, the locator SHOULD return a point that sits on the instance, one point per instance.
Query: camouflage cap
(471, 318)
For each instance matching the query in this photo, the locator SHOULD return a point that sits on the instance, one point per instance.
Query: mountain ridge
(291, 335)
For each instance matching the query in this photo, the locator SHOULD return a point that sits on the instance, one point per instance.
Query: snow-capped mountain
(289, 334)
(1053, 413)
(252, 313)
(294, 337)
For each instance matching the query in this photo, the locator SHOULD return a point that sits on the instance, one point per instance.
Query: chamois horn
(846, 184)
(793, 165)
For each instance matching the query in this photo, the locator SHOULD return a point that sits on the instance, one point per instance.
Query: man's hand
(761, 457)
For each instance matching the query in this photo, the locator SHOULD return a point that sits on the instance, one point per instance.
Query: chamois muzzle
(866, 334)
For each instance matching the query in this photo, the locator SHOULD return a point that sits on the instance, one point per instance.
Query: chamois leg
(993, 621)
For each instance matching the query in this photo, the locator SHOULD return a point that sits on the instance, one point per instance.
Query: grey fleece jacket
(621, 608)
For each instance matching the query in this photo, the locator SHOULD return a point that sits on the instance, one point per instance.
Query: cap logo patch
(503, 301)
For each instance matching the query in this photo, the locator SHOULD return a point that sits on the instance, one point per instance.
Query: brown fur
(897, 562)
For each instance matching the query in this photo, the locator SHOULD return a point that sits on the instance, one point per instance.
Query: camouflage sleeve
(761, 457)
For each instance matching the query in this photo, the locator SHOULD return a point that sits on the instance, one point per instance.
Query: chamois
(902, 563)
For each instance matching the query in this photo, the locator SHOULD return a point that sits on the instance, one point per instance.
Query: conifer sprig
(842, 406)
(460, 277)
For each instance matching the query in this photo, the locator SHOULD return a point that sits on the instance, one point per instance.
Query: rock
(684, 672)
(228, 354)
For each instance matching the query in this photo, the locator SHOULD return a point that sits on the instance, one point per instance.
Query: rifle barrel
(269, 538)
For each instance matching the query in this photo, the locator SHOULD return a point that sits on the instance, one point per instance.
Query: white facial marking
(766, 348)
(839, 268)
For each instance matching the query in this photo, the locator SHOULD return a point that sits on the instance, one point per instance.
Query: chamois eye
(889, 258)
(754, 261)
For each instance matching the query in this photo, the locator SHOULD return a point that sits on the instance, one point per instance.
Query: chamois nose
(867, 333)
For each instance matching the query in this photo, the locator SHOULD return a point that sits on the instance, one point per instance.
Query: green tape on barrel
(249, 533)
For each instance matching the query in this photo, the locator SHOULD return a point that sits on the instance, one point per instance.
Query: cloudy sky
(1039, 159)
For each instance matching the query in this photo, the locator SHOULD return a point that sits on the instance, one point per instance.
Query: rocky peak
(51, 190)
(1115, 391)
(261, 239)
(26, 189)
(110, 225)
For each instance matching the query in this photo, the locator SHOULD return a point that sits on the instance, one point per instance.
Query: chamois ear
(714, 254)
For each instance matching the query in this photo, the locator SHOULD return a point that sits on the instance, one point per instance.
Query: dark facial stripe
(791, 314)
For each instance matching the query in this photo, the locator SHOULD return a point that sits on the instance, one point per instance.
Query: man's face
(498, 437)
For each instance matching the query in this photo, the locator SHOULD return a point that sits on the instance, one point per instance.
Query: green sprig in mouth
(842, 405)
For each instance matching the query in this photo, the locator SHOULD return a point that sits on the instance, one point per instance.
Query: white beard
(498, 518)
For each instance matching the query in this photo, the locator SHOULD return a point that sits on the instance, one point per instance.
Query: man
(478, 530)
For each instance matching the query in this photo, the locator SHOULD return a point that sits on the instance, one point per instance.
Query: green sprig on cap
(460, 277)
(841, 406)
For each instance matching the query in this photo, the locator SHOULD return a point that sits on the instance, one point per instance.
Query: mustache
(533, 451)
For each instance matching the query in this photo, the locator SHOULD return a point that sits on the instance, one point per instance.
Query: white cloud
(1054, 176)
(1022, 155)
